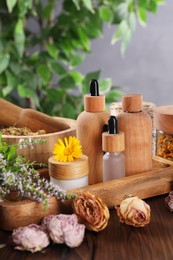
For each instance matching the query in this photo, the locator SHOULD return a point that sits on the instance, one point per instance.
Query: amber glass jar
(163, 122)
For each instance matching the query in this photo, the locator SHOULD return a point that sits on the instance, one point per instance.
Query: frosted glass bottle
(113, 145)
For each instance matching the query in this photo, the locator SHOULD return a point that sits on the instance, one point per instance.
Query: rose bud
(134, 212)
(169, 201)
(31, 238)
(91, 211)
(65, 229)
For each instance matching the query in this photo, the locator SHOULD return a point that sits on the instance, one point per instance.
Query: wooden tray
(145, 185)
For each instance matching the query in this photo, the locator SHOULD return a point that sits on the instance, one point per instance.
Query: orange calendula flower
(68, 150)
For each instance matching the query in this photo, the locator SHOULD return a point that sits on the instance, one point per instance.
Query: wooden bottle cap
(163, 118)
(113, 143)
(94, 103)
(132, 102)
(68, 170)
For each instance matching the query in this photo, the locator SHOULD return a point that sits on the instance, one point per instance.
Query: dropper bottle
(113, 145)
(89, 128)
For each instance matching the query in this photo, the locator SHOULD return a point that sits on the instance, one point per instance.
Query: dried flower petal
(169, 201)
(91, 211)
(64, 228)
(31, 238)
(134, 211)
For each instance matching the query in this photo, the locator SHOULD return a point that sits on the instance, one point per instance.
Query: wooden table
(117, 242)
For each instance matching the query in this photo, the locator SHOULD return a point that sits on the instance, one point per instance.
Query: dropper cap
(113, 140)
(94, 102)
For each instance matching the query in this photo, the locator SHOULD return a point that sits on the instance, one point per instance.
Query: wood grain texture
(22, 213)
(12, 115)
(145, 185)
(163, 118)
(89, 128)
(137, 128)
(118, 241)
(41, 152)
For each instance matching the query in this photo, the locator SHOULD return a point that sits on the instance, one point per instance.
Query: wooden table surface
(117, 241)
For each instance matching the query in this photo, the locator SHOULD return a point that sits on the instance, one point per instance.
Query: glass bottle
(113, 145)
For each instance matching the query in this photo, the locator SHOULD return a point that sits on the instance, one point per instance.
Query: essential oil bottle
(113, 146)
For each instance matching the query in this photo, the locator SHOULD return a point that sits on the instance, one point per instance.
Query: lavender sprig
(19, 175)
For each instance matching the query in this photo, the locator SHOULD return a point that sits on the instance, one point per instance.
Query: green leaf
(52, 50)
(76, 2)
(152, 6)
(77, 77)
(120, 32)
(105, 14)
(58, 68)
(11, 79)
(84, 39)
(68, 111)
(55, 95)
(76, 60)
(23, 91)
(4, 61)
(11, 83)
(11, 4)
(88, 78)
(142, 16)
(67, 82)
(44, 73)
(105, 85)
(19, 37)
(125, 41)
(132, 21)
(113, 96)
(122, 10)
(6, 90)
(88, 5)
(12, 153)
(24, 6)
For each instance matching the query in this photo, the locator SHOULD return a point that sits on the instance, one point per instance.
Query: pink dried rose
(134, 212)
(31, 238)
(64, 228)
(91, 211)
(169, 201)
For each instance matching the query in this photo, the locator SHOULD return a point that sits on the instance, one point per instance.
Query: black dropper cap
(94, 87)
(112, 125)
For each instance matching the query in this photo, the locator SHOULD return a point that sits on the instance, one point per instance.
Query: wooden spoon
(12, 115)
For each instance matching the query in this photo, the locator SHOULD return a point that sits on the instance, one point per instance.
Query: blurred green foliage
(42, 43)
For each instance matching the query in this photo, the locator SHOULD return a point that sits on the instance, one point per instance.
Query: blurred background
(146, 67)
(50, 50)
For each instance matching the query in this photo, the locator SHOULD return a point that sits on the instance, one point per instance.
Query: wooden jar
(163, 122)
(69, 175)
(137, 127)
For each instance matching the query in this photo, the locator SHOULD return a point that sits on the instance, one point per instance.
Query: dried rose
(64, 228)
(169, 201)
(91, 211)
(31, 238)
(134, 211)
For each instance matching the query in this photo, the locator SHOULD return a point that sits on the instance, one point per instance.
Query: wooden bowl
(41, 152)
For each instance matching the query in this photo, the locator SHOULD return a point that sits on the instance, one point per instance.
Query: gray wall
(146, 67)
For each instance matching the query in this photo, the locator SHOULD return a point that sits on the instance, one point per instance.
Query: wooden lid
(113, 142)
(163, 118)
(68, 170)
(94, 103)
(132, 102)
